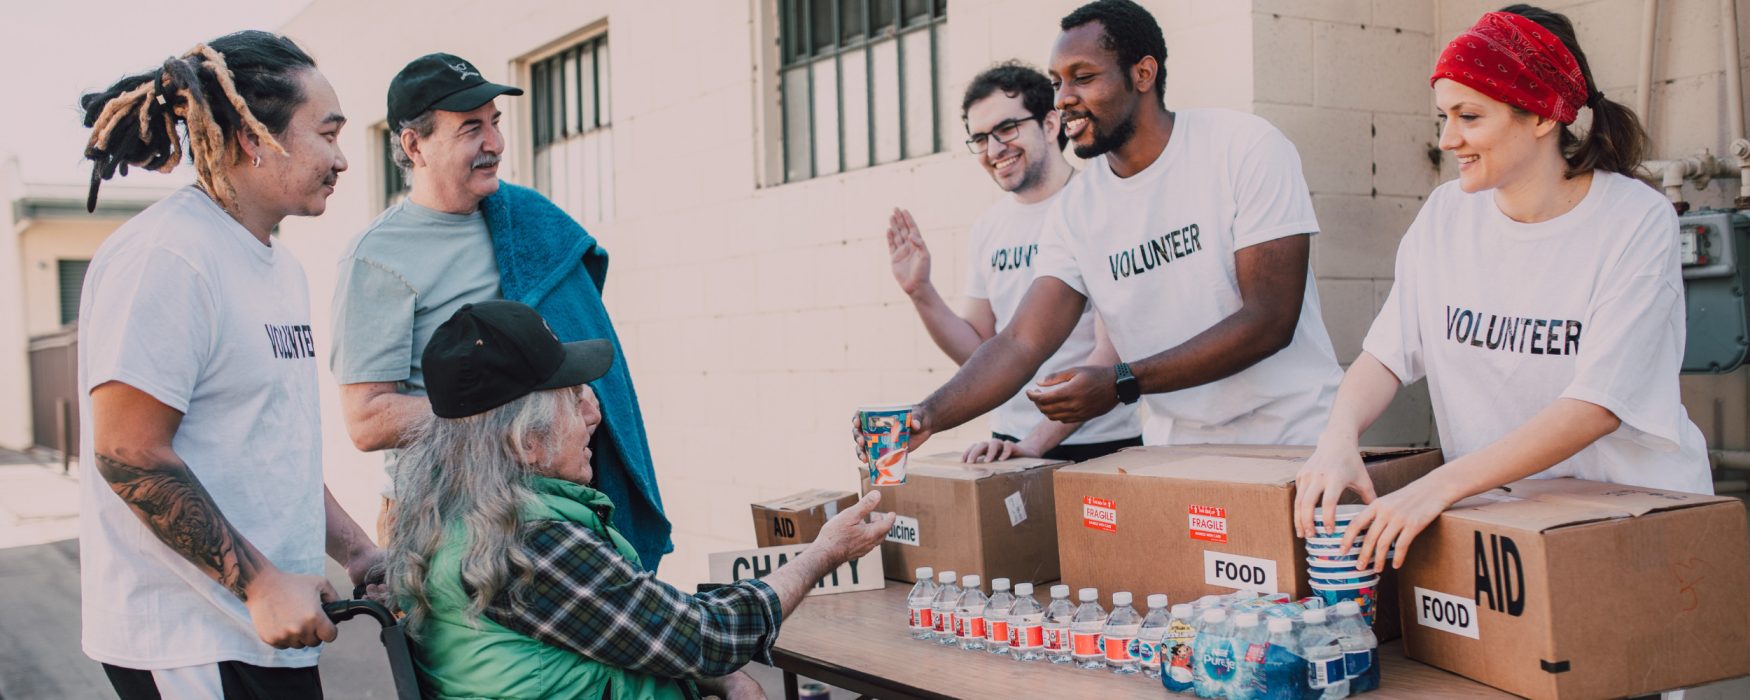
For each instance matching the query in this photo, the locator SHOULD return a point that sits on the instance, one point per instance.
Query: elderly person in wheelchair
(514, 583)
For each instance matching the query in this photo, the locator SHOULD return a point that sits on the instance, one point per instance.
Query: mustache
(484, 161)
(332, 179)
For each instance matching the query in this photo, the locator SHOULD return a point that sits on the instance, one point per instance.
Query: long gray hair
(476, 471)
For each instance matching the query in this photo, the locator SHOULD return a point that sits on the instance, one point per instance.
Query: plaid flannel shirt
(588, 599)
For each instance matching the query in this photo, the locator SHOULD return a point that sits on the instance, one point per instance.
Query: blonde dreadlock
(134, 121)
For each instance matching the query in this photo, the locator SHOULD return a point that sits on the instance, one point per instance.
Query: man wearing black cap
(463, 236)
(494, 490)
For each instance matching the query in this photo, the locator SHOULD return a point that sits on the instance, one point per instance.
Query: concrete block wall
(1687, 112)
(1346, 81)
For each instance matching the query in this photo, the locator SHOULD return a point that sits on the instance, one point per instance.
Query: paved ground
(39, 618)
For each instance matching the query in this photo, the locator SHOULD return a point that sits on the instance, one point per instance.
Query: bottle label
(923, 618)
(1026, 637)
(1148, 654)
(1321, 674)
(1084, 643)
(1118, 649)
(945, 622)
(1356, 663)
(1255, 653)
(996, 632)
(969, 627)
(1055, 639)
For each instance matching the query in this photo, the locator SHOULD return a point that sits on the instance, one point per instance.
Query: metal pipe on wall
(1644, 73)
(1735, 96)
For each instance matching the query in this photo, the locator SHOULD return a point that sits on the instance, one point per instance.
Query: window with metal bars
(71, 274)
(394, 182)
(570, 97)
(859, 83)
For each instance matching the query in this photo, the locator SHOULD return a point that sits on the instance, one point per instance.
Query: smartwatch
(1129, 389)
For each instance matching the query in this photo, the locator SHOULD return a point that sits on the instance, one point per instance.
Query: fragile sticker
(1209, 523)
(1447, 613)
(1017, 509)
(1099, 514)
(904, 531)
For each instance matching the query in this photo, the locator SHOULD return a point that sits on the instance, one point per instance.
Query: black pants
(241, 681)
(1081, 453)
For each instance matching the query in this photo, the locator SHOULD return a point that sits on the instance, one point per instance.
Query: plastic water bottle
(1325, 673)
(947, 596)
(1360, 647)
(1057, 620)
(1212, 656)
(917, 603)
(1250, 642)
(1026, 626)
(1085, 628)
(1148, 638)
(1284, 668)
(969, 614)
(996, 617)
(1118, 637)
(1176, 646)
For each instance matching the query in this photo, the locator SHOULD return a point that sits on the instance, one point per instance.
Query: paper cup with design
(1344, 514)
(1339, 577)
(1365, 593)
(888, 430)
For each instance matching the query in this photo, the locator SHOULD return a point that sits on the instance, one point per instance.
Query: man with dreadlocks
(462, 236)
(201, 546)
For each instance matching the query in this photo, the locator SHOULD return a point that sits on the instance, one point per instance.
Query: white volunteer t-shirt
(1004, 241)
(1154, 252)
(1504, 318)
(184, 304)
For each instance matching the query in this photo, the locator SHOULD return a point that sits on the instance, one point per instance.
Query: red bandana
(1514, 60)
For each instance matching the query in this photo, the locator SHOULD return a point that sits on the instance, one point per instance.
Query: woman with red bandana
(1539, 294)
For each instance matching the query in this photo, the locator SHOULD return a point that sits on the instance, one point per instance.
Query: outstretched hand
(1077, 394)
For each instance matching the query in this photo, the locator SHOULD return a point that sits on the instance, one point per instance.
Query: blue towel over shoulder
(546, 260)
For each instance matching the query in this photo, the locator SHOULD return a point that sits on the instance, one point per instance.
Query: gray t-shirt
(406, 274)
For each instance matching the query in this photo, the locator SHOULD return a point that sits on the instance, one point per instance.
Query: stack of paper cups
(1332, 573)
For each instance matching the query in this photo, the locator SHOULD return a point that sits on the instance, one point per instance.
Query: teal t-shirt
(406, 274)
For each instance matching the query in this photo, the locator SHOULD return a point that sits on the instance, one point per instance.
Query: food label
(1055, 639)
(996, 632)
(1235, 571)
(1027, 635)
(1447, 613)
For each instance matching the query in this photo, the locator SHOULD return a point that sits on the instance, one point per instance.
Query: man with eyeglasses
(1016, 135)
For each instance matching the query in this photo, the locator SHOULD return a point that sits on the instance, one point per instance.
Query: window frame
(801, 52)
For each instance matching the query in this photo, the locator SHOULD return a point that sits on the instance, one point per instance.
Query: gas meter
(1714, 244)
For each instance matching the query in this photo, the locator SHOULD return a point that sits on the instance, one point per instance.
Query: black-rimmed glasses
(1004, 132)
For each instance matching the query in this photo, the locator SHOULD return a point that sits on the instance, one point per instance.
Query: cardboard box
(798, 517)
(1195, 520)
(994, 519)
(1562, 588)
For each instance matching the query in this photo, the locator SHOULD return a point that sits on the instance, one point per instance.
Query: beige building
(46, 241)
(738, 160)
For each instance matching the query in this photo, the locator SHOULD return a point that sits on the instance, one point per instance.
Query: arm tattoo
(172, 502)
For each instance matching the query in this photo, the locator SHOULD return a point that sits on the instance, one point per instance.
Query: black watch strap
(1129, 389)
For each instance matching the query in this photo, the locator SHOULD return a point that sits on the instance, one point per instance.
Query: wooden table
(859, 642)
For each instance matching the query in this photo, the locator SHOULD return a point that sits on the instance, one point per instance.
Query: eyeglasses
(1004, 133)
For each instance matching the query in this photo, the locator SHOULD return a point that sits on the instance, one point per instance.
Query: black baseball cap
(495, 352)
(440, 81)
